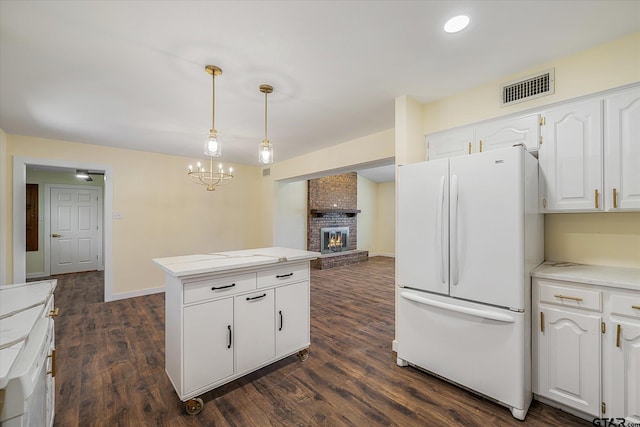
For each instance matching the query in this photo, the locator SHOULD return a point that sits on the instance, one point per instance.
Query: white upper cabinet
(570, 156)
(450, 143)
(622, 151)
(509, 132)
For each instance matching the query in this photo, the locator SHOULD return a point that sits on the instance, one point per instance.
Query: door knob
(55, 235)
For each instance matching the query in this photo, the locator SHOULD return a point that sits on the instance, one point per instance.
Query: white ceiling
(131, 73)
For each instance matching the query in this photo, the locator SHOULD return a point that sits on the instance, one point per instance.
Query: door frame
(47, 222)
(20, 164)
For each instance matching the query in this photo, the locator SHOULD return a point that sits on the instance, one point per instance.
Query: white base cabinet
(586, 340)
(224, 324)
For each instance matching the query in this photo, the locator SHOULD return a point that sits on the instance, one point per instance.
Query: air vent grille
(266, 171)
(528, 88)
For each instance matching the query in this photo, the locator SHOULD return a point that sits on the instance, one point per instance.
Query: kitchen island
(231, 313)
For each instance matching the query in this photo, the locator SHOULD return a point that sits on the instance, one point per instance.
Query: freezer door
(487, 227)
(423, 226)
(483, 348)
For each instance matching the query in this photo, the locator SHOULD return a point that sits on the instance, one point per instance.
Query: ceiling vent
(530, 87)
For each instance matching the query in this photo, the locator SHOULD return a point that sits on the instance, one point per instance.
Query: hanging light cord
(265, 115)
(213, 101)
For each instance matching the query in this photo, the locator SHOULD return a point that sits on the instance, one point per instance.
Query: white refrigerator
(468, 235)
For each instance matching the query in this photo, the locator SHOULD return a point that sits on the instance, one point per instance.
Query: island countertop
(186, 265)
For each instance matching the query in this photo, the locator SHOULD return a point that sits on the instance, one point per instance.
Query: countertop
(20, 308)
(617, 277)
(186, 265)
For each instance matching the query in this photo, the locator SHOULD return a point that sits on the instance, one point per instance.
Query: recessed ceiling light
(457, 23)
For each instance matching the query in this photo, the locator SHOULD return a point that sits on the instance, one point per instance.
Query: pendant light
(211, 177)
(213, 146)
(265, 149)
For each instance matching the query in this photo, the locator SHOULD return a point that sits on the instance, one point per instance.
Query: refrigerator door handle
(476, 312)
(454, 230)
(440, 228)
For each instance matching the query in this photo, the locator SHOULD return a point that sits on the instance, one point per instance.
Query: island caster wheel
(303, 355)
(194, 406)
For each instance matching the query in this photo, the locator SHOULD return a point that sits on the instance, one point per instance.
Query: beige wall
(35, 259)
(594, 238)
(600, 68)
(385, 227)
(376, 222)
(163, 213)
(5, 247)
(367, 219)
(290, 214)
(605, 239)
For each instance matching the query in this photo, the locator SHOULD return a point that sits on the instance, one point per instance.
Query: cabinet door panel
(624, 371)
(571, 157)
(207, 355)
(622, 151)
(292, 318)
(569, 359)
(449, 143)
(507, 133)
(255, 329)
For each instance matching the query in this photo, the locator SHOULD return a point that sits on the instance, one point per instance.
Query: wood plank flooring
(110, 366)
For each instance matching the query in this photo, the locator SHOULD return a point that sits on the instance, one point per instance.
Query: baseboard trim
(36, 275)
(387, 254)
(394, 345)
(140, 293)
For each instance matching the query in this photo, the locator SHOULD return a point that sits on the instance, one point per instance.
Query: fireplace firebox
(334, 239)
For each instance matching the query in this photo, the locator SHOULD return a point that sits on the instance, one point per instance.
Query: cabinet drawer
(626, 305)
(219, 286)
(285, 274)
(569, 296)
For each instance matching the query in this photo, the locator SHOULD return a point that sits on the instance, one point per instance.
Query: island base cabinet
(623, 361)
(292, 318)
(208, 334)
(569, 359)
(255, 329)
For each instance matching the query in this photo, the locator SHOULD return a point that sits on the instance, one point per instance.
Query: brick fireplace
(332, 205)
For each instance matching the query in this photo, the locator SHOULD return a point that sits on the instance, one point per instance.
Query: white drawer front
(626, 305)
(289, 273)
(220, 286)
(568, 296)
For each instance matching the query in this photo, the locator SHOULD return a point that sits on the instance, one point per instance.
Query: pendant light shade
(265, 149)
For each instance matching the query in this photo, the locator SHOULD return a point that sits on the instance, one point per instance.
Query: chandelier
(265, 149)
(212, 147)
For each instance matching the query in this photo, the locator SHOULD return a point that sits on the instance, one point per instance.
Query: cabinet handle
(481, 146)
(53, 363)
(615, 198)
(54, 312)
(282, 276)
(618, 331)
(541, 322)
(281, 322)
(597, 201)
(222, 287)
(578, 299)
(230, 334)
(469, 148)
(636, 307)
(255, 298)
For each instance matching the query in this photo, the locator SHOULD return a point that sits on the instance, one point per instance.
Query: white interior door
(76, 229)
(422, 254)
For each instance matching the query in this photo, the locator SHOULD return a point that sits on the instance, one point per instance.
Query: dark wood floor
(110, 360)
